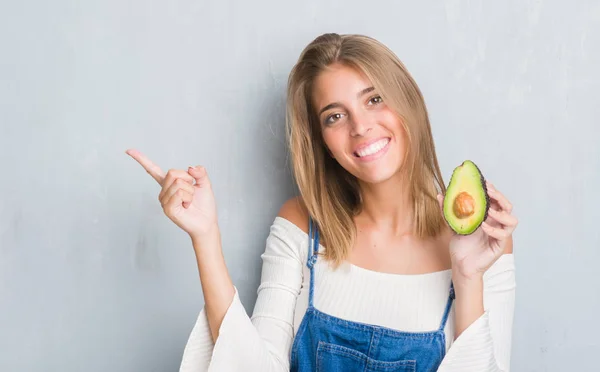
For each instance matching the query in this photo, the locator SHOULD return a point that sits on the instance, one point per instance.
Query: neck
(387, 205)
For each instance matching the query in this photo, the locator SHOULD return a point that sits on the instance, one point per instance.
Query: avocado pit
(464, 205)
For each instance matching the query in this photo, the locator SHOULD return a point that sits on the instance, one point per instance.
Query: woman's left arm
(484, 284)
(469, 291)
(485, 344)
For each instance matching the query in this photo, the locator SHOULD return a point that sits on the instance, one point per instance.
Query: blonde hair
(330, 193)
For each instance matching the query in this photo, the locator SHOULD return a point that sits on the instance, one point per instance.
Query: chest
(399, 255)
(410, 303)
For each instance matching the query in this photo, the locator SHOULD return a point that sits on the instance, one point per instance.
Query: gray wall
(93, 276)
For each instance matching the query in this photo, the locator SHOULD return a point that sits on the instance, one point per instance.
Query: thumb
(440, 199)
(200, 175)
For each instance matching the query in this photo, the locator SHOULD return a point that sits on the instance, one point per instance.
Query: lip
(369, 143)
(376, 155)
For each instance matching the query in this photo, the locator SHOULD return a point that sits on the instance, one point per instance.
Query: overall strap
(313, 249)
(451, 297)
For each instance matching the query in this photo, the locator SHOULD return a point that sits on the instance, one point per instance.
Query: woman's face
(361, 132)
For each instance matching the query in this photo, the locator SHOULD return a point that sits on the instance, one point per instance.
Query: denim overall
(327, 343)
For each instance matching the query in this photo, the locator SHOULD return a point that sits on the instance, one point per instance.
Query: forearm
(468, 301)
(217, 286)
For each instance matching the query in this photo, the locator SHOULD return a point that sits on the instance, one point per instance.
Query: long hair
(330, 193)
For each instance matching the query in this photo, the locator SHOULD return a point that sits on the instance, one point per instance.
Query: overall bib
(326, 343)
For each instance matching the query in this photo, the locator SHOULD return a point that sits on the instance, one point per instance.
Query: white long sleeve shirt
(409, 303)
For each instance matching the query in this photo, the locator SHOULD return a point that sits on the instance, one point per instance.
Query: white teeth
(373, 148)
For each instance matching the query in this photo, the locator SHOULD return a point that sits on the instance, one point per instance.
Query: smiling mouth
(372, 149)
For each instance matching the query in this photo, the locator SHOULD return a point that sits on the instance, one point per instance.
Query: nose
(361, 124)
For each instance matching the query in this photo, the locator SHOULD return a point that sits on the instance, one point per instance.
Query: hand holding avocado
(480, 217)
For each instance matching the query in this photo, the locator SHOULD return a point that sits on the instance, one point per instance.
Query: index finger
(152, 169)
(499, 198)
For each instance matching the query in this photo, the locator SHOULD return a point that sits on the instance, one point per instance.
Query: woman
(360, 271)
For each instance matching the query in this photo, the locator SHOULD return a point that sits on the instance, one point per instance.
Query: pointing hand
(186, 196)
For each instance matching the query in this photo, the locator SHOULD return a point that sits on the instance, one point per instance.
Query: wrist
(462, 273)
(210, 237)
(467, 286)
(463, 279)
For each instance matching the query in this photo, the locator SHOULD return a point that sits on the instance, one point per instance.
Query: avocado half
(466, 202)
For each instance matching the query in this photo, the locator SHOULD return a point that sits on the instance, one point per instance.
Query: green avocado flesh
(466, 202)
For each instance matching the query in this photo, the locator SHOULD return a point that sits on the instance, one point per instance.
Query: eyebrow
(337, 104)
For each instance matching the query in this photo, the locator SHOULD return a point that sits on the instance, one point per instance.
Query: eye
(375, 100)
(333, 118)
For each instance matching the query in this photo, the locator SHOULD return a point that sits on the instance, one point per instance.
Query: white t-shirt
(409, 303)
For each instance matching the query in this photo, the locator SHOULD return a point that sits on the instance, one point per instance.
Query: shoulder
(294, 211)
(287, 238)
(295, 214)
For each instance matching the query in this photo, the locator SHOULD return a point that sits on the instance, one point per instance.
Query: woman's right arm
(224, 337)
(217, 288)
(263, 341)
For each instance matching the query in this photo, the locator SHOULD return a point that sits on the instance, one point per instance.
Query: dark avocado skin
(484, 202)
